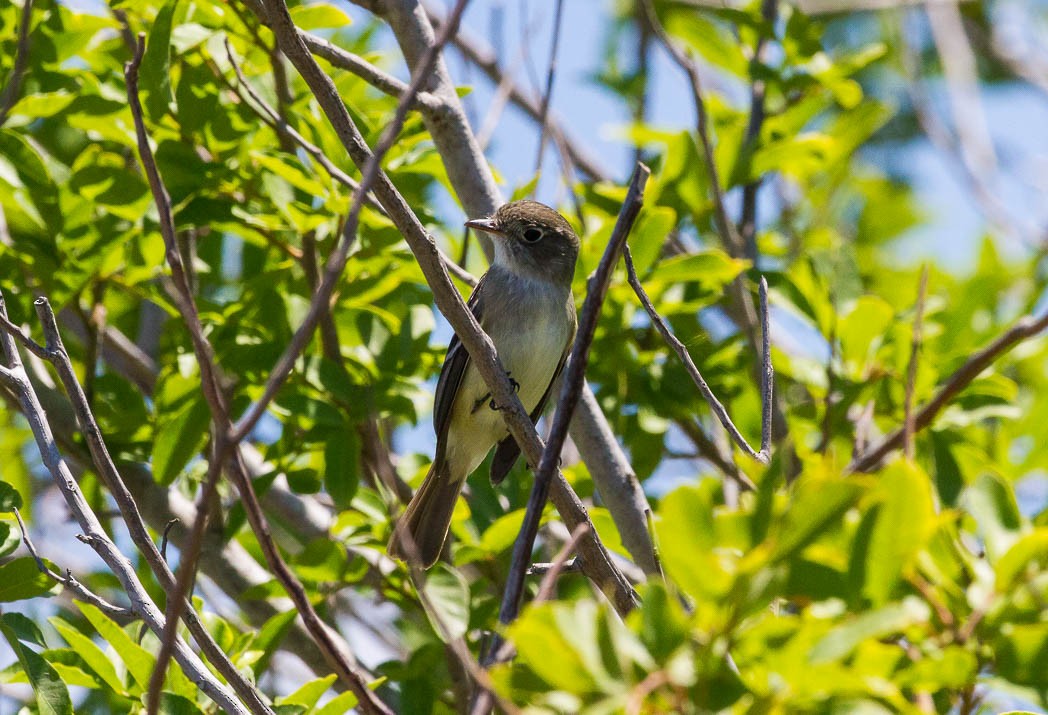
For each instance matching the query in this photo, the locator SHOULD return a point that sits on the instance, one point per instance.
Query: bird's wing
(508, 450)
(455, 363)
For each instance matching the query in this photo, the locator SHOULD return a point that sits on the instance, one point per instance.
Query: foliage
(921, 585)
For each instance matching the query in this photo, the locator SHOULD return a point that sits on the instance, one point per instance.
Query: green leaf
(339, 705)
(649, 236)
(342, 466)
(688, 539)
(52, 696)
(138, 660)
(182, 424)
(155, 72)
(10, 538)
(1029, 551)
(269, 637)
(864, 324)
(499, 537)
(817, 502)
(991, 502)
(711, 269)
(880, 623)
(904, 522)
(290, 169)
(448, 591)
(319, 15)
(548, 650)
(25, 629)
(92, 655)
(952, 667)
(1021, 654)
(10, 499)
(21, 579)
(309, 693)
(175, 704)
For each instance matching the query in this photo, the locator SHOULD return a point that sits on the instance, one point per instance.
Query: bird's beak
(487, 225)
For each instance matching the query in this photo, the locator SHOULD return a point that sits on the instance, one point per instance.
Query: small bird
(524, 303)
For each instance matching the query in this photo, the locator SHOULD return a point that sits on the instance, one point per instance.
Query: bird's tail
(424, 525)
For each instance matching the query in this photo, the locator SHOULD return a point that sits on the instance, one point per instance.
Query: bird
(525, 305)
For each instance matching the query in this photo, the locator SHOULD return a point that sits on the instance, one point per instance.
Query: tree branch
(1024, 328)
(718, 409)
(13, 374)
(69, 581)
(55, 353)
(571, 387)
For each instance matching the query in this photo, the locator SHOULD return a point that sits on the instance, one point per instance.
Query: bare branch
(574, 376)
(1024, 328)
(715, 405)
(56, 354)
(15, 377)
(725, 228)
(486, 61)
(560, 563)
(280, 124)
(547, 95)
(14, 81)
(336, 263)
(346, 60)
(758, 87)
(123, 615)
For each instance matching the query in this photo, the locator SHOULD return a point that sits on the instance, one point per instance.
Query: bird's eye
(531, 235)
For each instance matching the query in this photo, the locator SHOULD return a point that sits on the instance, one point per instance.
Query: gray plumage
(524, 303)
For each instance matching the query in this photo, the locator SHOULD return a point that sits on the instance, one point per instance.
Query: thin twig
(715, 405)
(758, 89)
(768, 385)
(725, 227)
(123, 615)
(710, 451)
(486, 61)
(14, 81)
(185, 577)
(547, 95)
(1026, 327)
(911, 370)
(346, 60)
(560, 563)
(574, 376)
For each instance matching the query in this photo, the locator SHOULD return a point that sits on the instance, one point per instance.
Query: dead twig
(547, 95)
(762, 456)
(122, 615)
(14, 376)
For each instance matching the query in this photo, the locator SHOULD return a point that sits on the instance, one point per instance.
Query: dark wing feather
(455, 363)
(508, 450)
